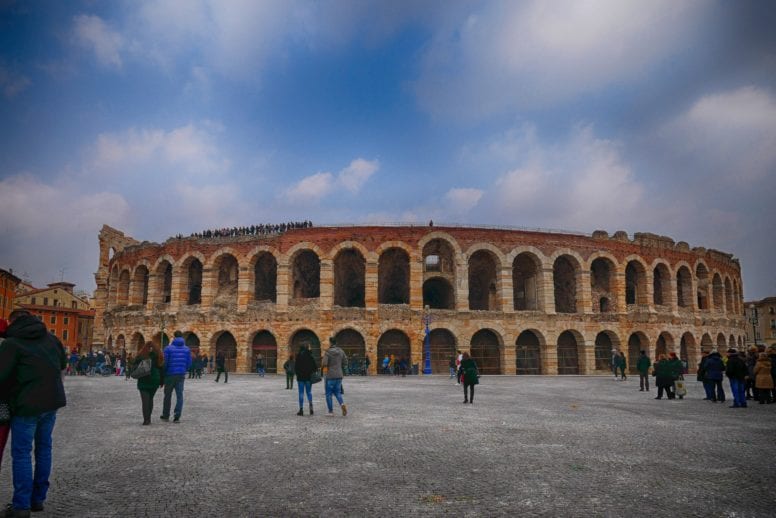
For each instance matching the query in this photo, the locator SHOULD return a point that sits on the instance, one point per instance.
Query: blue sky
(180, 115)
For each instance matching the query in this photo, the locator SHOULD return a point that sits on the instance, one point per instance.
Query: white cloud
(315, 187)
(463, 199)
(357, 173)
(12, 83)
(191, 148)
(311, 189)
(92, 32)
(522, 54)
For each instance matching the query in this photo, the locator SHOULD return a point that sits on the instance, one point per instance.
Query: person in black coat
(304, 366)
(714, 369)
(737, 372)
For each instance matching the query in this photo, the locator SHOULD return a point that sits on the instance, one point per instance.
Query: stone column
(673, 296)
(326, 285)
(546, 291)
(370, 286)
(650, 289)
(508, 359)
(584, 292)
(506, 295)
(244, 288)
(416, 285)
(586, 357)
(618, 293)
(550, 358)
(178, 297)
(282, 286)
(462, 287)
(209, 287)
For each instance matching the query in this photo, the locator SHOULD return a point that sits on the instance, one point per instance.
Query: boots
(301, 412)
(311, 409)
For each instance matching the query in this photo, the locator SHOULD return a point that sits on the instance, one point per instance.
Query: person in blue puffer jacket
(177, 360)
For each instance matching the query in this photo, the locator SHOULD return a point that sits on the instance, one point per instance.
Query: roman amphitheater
(522, 302)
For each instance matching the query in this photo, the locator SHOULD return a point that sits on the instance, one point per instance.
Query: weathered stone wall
(242, 316)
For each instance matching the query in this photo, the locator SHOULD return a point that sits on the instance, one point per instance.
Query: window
(66, 320)
(74, 305)
(770, 310)
(773, 324)
(45, 301)
(432, 263)
(53, 319)
(64, 335)
(56, 302)
(34, 301)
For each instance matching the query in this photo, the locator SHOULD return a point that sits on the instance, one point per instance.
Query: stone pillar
(370, 286)
(547, 291)
(282, 286)
(243, 360)
(178, 289)
(506, 295)
(508, 359)
(673, 296)
(586, 356)
(650, 291)
(584, 292)
(416, 285)
(327, 285)
(618, 292)
(244, 288)
(550, 358)
(209, 287)
(462, 287)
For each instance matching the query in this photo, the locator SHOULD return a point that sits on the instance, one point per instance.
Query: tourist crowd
(253, 230)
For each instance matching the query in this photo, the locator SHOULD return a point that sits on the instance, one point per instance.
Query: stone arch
(440, 257)
(602, 272)
(123, 292)
(636, 282)
(495, 252)
(605, 342)
(136, 342)
(192, 341)
(224, 342)
(120, 342)
(352, 342)
(721, 342)
(438, 293)
(350, 278)
(394, 343)
(226, 277)
(664, 344)
(732, 341)
(113, 285)
(661, 285)
(702, 280)
(688, 350)
(570, 349)
(637, 342)
(717, 291)
(684, 287)
(308, 336)
(305, 275)
(264, 343)
(565, 272)
(528, 353)
(349, 245)
(707, 344)
(486, 347)
(163, 272)
(265, 276)
(729, 307)
(443, 345)
(192, 267)
(484, 282)
(393, 276)
(740, 342)
(443, 236)
(527, 278)
(140, 280)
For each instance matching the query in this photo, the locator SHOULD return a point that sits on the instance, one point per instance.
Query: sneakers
(176, 419)
(330, 414)
(10, 512)
(301, 412)
(164, 418)
(37, 507)
(344, 410)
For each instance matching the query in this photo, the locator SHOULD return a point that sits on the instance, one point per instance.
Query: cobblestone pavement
(529, 446)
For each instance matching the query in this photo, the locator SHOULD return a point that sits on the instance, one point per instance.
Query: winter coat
(676, 367)
(335, 359)
(664, 374)
(714, 367)
(304, 365)
(31, 363)
(221, 362)
(152, 382)
(643, 364)
(736, 368)
(471, 375)
(762, 374)
(289, 366)
(177, 358)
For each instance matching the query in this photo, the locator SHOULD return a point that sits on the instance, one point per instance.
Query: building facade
(8, 284)
(761, 321)
(521, 302)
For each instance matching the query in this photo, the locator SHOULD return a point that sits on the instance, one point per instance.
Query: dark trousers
(717, 392)
(289, 380)
(669, 394)
(173, 382)
(5, 429)
(147, 402)
(226, 375)
(471, 392)
(644, 381)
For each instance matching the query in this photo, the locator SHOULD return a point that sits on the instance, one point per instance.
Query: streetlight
(754, 320)
(427, 341)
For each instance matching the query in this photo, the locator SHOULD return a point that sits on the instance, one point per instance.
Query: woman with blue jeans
(304, 366)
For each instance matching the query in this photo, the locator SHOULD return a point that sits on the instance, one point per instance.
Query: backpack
(142, 369)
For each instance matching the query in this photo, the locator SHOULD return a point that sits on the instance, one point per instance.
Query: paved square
(529, 446)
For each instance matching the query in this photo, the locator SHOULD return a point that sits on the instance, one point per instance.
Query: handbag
(315, 377)
(5, 412)
(142, 369)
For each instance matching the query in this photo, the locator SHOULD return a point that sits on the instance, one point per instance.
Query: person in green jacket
(471, 377)
(148, 385)
(663, 377)
(642, 365)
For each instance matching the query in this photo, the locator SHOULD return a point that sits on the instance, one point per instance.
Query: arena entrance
(305, 335)
(443, 347)
(568, 355)
(486, 351)
(636, 343)
(528, 359)
(352, 343)
(396, 344)
(264, 343)
(192, 342)
(226, 344)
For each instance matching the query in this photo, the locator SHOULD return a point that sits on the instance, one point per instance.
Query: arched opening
(306, 276)
(140, 286)
(661, 285)
(525, 282)
(161, 339)
(265, 278)
(486, 351)
(137, 341)
(564, 276)
(721, 343)
(192, 342)
(227, 345)
(635, 283)
(732, 341)
(604, 347)
(568, 353)
(120, 343)
(483, 282)
(637, 342)
(702, 274)
(113, 286)
(227, 280)
(443, 346)
(736, 298)
(349, 279)
(664, 345)
(707, 344)
(123, 296)
(194, 282)
(311, 339)
(718, 292)
(394, 344)
(687, 350)
(164, 275)
(438, 293)
(601, 271)
(728, 297)
(439, 257)
(393, 277)
(264, 344)
(354, 346)
(528, 356)
(684, 287)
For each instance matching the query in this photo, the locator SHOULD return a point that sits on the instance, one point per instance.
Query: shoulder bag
(142, 369)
